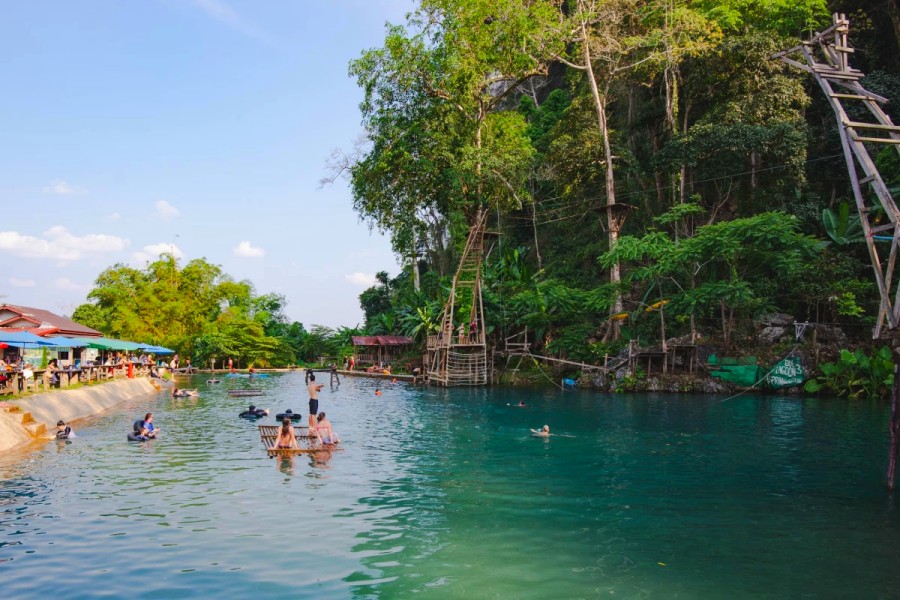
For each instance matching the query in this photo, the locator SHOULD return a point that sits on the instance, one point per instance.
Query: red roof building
(378, 349)
(42, 322)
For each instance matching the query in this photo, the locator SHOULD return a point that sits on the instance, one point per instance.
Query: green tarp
(787, 373)
(742, 375)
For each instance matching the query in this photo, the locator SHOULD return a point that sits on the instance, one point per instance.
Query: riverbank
(68, 405)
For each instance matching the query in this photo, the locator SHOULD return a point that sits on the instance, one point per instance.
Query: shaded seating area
(62, 356)
(379, 350)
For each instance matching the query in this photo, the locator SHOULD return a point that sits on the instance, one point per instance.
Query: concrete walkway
(68, 405)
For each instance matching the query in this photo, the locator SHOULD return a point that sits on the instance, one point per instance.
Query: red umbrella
(2, 345)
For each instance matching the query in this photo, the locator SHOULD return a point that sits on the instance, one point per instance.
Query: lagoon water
(445, 494)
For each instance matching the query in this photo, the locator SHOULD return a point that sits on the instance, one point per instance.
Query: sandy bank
(69, 405)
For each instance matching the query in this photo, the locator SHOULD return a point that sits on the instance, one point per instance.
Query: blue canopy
(156, 349)
(78, 342)
(24, 339)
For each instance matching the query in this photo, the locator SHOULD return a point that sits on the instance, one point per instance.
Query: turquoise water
(444, 494)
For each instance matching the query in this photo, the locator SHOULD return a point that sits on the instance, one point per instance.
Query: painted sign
(787, 373)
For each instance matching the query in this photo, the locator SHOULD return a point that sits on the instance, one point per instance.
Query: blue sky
(199, 126)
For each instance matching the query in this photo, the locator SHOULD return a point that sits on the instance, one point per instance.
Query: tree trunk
(894, 428)
(615, 275)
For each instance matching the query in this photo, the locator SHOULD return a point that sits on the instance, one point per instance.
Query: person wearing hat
(63, 431)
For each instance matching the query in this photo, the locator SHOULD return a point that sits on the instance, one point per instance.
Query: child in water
(63, 431)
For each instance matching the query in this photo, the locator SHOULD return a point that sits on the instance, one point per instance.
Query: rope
(763, 377)
(538, 365)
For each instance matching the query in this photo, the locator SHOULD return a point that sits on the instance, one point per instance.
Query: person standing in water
(314, 389)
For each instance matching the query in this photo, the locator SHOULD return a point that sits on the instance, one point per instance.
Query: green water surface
(445, 494)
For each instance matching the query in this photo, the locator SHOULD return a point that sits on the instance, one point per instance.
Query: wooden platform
(244, 393)
(307, 443)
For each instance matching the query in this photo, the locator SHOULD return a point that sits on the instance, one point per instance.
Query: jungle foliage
(203, 313)
(646, 165)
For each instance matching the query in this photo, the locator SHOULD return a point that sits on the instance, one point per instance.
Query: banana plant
(841, 227)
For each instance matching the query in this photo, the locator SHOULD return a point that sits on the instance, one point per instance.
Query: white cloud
(152, 252)
(221, 12)
(64, 283)
(361, 279)
(246, 250)
(61, 188)
(166, 210)
(59, 244)
(114, 217)
(15, 282)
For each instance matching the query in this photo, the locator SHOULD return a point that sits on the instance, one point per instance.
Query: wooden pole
(894, 428)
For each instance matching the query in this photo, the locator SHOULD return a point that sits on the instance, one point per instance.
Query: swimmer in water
(542, 432)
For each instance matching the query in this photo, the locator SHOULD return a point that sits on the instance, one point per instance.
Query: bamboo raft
(244, 393)
(306, 442)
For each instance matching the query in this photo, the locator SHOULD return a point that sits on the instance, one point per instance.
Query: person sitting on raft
(63, 431)
(324, 432)
(286, 438)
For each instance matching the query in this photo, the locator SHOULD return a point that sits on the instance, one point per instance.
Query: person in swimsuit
(286, 438)
(324, 431)
(63, 431)
(314, 389)
(152, 430)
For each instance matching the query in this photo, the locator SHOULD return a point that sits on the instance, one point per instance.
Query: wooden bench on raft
(306, 442)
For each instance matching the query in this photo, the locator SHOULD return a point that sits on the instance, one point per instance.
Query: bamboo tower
(457, 355)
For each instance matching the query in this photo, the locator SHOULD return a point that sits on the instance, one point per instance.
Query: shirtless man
(314, 389)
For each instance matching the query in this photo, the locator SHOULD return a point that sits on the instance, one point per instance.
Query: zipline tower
(826, 57)
(457, 355)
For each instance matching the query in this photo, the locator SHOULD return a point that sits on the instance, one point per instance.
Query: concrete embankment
(68, 405)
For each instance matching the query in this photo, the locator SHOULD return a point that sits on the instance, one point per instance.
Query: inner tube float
(213, 381)
(289, 414)
(133, 437)
(253, 413)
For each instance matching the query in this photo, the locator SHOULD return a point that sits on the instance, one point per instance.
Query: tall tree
(442, 142)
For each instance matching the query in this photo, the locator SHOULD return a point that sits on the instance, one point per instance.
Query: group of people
(319, 425)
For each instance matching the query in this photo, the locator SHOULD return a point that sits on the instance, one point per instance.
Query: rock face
(771, 334)
(776, 320)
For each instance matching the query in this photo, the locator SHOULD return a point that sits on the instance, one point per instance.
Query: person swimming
(542, 432)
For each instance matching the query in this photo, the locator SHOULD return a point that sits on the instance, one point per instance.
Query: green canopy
(100, 343)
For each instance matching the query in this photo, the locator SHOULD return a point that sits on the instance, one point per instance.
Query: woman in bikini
(324, 431)
(286, 439)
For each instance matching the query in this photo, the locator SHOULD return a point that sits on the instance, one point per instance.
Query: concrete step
(22, 417)
(36, 429)
(9, 408)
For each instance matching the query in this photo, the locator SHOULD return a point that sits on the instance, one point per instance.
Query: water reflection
(286, 464)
